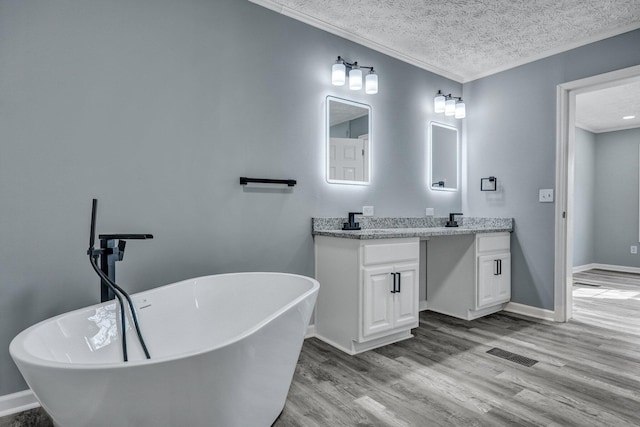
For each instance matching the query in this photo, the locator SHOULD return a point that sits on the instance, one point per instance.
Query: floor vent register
(513, 357)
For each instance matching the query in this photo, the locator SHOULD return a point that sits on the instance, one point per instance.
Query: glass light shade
(371, 83)
(338, 74)
(355, 79)
(438, 103)
(450, 107)
(461, 110)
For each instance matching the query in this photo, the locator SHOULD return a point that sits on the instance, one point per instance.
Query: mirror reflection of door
(348, 158)
(348, 148)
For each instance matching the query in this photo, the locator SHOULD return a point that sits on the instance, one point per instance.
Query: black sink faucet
(452, 222)
(352, 225)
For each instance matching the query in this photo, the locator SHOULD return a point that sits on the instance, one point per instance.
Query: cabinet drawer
(390, 252)
(493, 242)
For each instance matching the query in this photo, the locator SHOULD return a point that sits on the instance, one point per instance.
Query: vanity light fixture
(339, 76)
(449, 105)
(628, 117)
(355, 77)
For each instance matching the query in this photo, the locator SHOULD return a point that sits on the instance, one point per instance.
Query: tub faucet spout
(110, 253)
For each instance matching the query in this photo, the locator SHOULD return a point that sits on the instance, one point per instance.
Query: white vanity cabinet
(368, 291)
(469, 276)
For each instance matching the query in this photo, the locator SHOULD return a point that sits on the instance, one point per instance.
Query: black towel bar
(290, 182)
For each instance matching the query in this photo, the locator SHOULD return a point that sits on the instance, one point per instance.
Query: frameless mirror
(348, 142)
(443, 153)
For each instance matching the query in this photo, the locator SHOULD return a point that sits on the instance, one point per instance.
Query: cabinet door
(377, 301)
(503, 287)
(406, 301)
(494, 279)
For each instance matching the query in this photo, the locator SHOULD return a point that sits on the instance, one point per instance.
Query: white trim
(608, 267)
(311, 332)
(315, 22)
(562, 300)
(586, 127)
(17, 402)
(585, 267)
(527, 310)
(609, 129)
(565, 141)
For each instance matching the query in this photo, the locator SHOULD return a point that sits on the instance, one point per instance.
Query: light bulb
(355, 78)
(338, 74)
(461, 110)
(450, 107)
(438, 102)
(371, 83)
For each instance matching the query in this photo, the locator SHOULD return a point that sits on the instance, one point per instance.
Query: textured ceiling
(466, 39)
(603, 110)
(343, 112)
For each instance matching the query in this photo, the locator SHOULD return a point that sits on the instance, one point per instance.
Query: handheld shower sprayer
(106, 251)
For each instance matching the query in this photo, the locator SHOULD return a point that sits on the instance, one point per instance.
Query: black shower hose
(117, 290)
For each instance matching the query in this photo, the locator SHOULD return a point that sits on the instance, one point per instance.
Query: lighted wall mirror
(444, 157)
(348, 142)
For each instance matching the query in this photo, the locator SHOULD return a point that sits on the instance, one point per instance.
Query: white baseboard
(17, 402)
(585, 267)
(311, 332)
(610, 267)
(527, 310)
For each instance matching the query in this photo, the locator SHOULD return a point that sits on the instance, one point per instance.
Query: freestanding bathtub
(223, 352)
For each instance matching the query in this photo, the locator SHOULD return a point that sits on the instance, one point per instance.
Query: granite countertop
(388, 228)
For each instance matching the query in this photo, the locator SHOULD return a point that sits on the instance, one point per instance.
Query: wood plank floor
(608, 299)
(588, 371)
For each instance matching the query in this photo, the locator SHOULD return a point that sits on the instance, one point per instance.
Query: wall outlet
(634, 249)
(546, 195)
(429, 212)
(367, 210)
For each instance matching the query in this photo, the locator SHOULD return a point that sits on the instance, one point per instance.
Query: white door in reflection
(347, 158)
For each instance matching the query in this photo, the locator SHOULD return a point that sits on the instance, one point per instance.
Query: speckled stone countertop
(389, 228)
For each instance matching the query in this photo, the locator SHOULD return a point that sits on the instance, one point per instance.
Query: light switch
(367, 210)
(546, 195)
(429, 212)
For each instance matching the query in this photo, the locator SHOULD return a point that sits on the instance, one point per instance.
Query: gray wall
(350, 129)
(510, 133)
(584, 203)
(616, 197)
(606, 198)
(359, 126)
(145, 104)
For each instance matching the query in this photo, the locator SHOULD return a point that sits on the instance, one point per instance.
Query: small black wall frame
(489, 184)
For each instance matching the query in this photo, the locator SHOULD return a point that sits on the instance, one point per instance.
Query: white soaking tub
(223, 352)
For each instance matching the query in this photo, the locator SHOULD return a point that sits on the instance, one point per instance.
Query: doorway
(565, 165)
